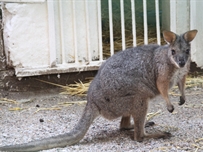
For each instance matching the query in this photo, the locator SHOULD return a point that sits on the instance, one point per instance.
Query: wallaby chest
(178, 75)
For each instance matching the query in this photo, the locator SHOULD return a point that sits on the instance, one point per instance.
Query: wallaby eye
(173, 52)
(187, 51)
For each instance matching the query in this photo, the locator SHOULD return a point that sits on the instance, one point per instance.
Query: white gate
(49, 36)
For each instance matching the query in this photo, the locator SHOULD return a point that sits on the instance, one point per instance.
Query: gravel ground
(34, 121)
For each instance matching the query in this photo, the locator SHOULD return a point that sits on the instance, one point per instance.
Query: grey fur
(123, 86)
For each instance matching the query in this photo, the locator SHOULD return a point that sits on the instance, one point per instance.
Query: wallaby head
(179, 52)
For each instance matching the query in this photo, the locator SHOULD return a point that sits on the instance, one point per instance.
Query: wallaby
(123, 86)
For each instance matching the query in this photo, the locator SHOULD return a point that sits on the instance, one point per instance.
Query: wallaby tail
(74, 136)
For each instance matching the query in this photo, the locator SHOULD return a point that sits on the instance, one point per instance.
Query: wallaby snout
(179, 57)
(181, 61)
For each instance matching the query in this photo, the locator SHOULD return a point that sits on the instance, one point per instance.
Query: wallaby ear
(169, 36)
(190, 35)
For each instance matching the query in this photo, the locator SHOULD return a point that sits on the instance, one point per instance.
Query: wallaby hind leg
(139, 124)
(139, 116)
(139, 131)
(126, 124)
(181, 86)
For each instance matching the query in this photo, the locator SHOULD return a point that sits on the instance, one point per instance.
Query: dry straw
(80, 88)
(152, 37)
(5, 100)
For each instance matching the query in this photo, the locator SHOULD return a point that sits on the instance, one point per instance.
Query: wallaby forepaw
(170, 108)
(182, 101)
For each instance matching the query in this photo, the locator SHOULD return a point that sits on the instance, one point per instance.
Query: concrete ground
(45, 114)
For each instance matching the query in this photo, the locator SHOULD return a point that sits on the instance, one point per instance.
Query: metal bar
(62, 32)
(111, 28)
(157, 22)
(88, 31)
(133, 23)
(51, 28)
(74, 67)
(75, 32)
(173, 16)
(122, 24)
(100, 30)
(145, 22)
(195, 45)
(193, 16)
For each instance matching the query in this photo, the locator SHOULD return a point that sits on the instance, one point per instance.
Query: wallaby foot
(170, 108)
(164, 135)
(149, 124)
(126, 124)
(182, 101)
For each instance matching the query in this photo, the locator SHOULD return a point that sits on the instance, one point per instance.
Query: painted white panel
(93, 29)
(165, 14)
(26, 34)
(68, 31)
(81, 30)
(182, 16)
(173, 16)
(57, 33)
(196, 22)
(52, 34)
(99, 24)
(22, 1)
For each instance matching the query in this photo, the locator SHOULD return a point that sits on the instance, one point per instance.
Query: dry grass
(5, 100)
(152, 38)
(152, 114)
(191, 82)
(198, 145)
(129, 40)
(194, 82)
(80, 88)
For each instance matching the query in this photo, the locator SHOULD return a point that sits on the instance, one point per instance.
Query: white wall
(26, 34)
(46, 37)
(196, 22)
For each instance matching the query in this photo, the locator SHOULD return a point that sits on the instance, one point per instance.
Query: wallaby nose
(181, 63)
